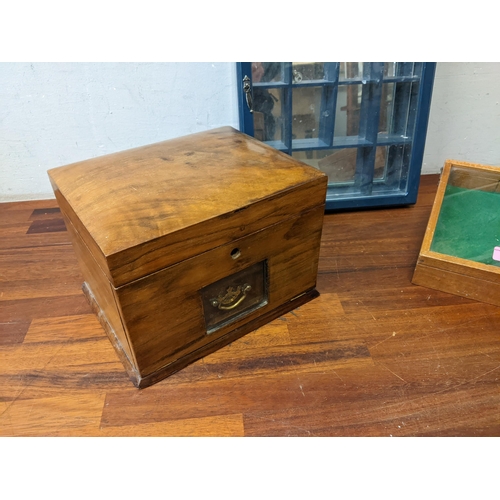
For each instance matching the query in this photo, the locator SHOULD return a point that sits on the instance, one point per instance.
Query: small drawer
(234, 296)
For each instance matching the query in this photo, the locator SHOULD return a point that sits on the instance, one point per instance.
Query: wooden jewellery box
(188, 244)
(460, 253)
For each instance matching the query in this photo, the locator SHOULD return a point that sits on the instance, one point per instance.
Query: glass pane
(389, 69)
(306, 107)
(386, 108)
(380, 162)
(303, 71)
(347, 112)
(267, 72)
(395, 69)
(404, 69)
(338, 164)
(402, 108)
(468, 225)
(397, 160)
(351, 71)
(267, 115)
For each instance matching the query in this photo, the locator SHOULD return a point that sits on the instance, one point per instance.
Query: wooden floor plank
(402, 298)
(44, 263)
(13, 332)
(396, 414)
(45, 213)
(373, 355)
(22, 212)
(39, 288)
(217, 426)
(43, 307)
(46, 226)
(297, 389)
(64, 329)
(52, 416)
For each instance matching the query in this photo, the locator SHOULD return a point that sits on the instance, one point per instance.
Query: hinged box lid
(144, 209)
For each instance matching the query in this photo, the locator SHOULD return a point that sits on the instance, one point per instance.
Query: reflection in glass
(386, 108)
(351, 71)
(340, 164)
(389, 69)
(303, 71)
(263, 72)
(355, 70)
(468, 226)
(267, 114)
(380, 162)
(398, 108)
(398, 155)
(347, 112)
(306, 107)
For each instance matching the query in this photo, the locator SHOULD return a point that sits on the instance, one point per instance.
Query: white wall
(464, 122)
(52, 114)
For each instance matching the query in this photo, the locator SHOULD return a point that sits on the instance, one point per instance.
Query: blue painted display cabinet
(364, 124)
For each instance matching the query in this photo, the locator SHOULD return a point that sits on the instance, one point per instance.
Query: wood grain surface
(144, 209)
(374, 355)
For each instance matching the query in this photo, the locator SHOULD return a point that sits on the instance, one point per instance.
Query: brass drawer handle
(231, 298)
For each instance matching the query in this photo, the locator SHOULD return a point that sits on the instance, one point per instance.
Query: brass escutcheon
(231, 297)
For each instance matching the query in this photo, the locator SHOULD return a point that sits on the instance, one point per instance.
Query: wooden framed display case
(460, 253)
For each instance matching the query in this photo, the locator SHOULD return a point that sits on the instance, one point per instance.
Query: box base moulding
(218, 343)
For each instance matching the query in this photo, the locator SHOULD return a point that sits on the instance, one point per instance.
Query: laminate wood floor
(374, 355)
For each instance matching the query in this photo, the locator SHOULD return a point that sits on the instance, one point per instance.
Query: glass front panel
(265, 72)
(397, 159)
(379, 170)
(267, 115)
(348, 110)
(386, 102)
(338, 164)
(468, 225)
(304, 71)
(398, 110)
(306, 110)
(351, 71)
(389, 69)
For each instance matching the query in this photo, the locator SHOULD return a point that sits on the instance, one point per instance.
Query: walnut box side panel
(164, 312)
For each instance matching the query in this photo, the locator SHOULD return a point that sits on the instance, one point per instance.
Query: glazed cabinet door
(364, 124)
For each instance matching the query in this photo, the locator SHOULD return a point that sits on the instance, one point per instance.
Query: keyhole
(235, 253)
